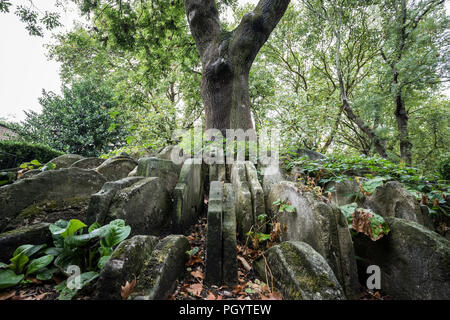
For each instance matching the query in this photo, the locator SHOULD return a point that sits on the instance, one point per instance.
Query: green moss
(305, 274)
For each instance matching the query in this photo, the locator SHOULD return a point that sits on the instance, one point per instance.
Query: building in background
(7, 133)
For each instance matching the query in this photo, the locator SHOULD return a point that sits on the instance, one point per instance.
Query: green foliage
(34, 19)
(26, 152)
(76, 122)
(89, 251)
(284, 206)
(338, 168)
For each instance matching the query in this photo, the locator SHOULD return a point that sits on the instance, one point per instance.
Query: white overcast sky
(24, 68)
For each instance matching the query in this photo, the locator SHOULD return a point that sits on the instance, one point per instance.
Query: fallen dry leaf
(198, 274)
(128, 288)
(195, 289)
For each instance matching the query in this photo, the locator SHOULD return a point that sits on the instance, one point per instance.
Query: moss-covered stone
(299, 272)
(159, 274)
(414, 261)
(34, 234)
(322, 227)
(53, 185)
(126, 261)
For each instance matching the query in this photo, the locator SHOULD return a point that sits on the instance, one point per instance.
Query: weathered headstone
(49, 185)
(116, 168)
(158, 277)
(100, 201)
(88, 163)
(299, 272)
(217, 172)
(33, 234)
(229, 243)
(214, 234)
(188, 194)
(244, 210)
(155, 167)
(257, 194)
(126, 261)
(65, 161)
(414, 261)
(320, 225)
(393, 200)
(145, 206)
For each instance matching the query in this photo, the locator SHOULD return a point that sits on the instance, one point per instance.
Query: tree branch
(204, 22)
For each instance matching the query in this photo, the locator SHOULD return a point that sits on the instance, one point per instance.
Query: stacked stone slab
(221, 262)
(100, 201)
(249, 198)
(143, 201)
(188, 194)
(53, 185)
(166, 264)
(257, 194)
(244, 211)
(321, 226)
(214, 234)
(300, 272)
(229, 242)
(116, 168)
(161, 168)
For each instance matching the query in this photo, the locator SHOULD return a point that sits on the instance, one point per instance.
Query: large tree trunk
(227, 58)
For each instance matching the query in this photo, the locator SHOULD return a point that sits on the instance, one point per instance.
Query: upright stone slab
(414, 261)
(49, 185)
(188, 194)
(300, 272)
(217, 172)
(100, 201)
(159, 274)
(161, 168)
(321, 226)
(229, 251)
(214, 234)
(244, 210)
(126, 261)
(116, 168)
(145, 206)
(88, 163)
(257, 194)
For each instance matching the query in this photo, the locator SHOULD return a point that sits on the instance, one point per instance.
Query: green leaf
(38, 264)
(28, 249)
(53, 251)
(116, 235)
(18, 262)
(94, 226)
(9, 279)
(84, 279)
(73, 226)
(46, 274)
(3, 265)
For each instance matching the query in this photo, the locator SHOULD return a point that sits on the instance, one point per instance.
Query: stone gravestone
(214, 234)
(221, 252)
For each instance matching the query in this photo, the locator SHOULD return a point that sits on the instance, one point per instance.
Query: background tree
(76, 122)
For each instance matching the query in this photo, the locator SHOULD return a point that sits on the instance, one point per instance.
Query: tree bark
(227, 58)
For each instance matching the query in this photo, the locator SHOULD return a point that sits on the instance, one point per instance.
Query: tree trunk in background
(227, 58)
